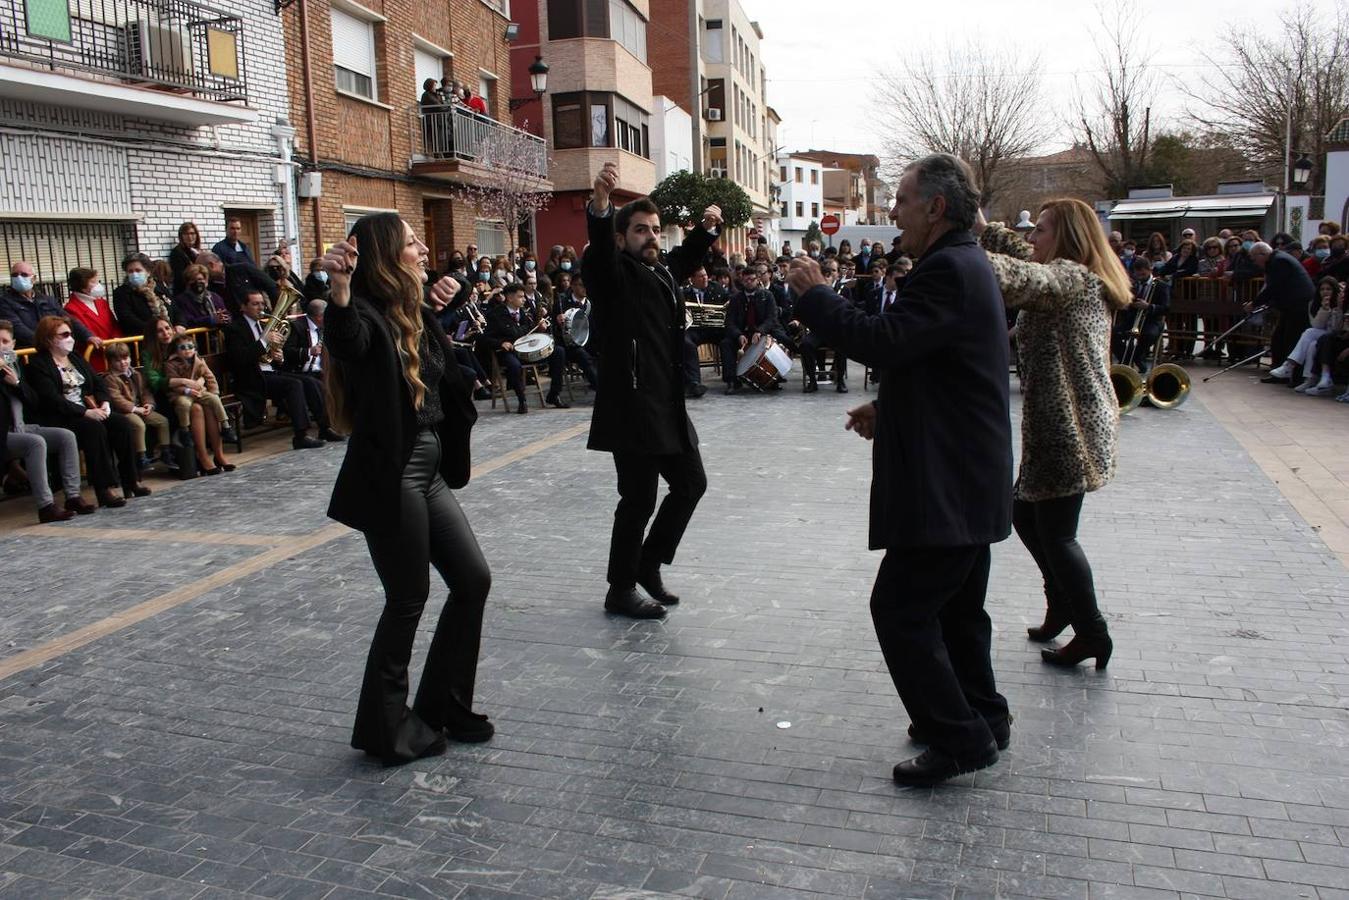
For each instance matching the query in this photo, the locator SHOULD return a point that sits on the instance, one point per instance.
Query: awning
(1233, 206)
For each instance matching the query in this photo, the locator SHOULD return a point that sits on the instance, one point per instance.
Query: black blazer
(134, 313)
(1288, 287)
(502, 328)
(295, 351)
(639, 311)
(942, 460)
(765, 314)
(179, 260)
(243, 352)
(52, 406)
(384, 424)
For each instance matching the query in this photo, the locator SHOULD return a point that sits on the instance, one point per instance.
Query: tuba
(278, 321)
(1166, 385)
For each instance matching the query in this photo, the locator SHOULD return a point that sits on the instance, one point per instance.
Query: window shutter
(353, 46)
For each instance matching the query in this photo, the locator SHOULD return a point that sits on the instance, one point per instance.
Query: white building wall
(1337, 187)
(810, 196)
(75, 164)
(671, 138)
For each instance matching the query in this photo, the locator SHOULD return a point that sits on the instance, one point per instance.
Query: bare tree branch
(968, 100)
(509, 191)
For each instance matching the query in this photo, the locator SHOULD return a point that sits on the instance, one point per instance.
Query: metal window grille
(54, 248)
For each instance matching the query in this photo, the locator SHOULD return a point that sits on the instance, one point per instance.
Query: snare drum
(764, 363)
(534, 348)
(575, 324)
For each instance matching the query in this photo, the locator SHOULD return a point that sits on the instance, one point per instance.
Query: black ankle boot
(1081, 648)
(1051, 628)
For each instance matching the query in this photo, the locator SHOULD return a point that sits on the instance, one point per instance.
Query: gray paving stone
(633, 759)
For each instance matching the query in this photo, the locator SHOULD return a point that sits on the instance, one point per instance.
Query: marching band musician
(564, 301)
(751, 315)
(508, 322)
(1152, 298)
(813, 342)
(702, 291)
(639, 409)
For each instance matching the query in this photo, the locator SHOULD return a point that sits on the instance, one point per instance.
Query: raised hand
(443, 292)
(605, 184)
(339, 262)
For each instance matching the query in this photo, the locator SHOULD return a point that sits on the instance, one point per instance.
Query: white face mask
(98, 291)
(66, 344)
(501, 273)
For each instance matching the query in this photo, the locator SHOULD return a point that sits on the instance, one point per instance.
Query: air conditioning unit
(718, 173)
(157, 52)
(713, 114)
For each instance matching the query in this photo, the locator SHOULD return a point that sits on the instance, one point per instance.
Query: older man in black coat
(1288, 289)
(639, 407)
(942, 466)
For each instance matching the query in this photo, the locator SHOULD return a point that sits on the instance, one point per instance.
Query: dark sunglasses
(182, 347)
(63, 334)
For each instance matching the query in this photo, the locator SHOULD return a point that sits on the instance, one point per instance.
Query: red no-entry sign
(829, 224)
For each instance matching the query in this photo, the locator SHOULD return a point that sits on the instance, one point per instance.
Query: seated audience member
(507, 323)
(32, 443)
(131, 397)
(197, 305)
(303, 350)
(186, 368)
(1318, 251)
(88, 305)
(70, 396)
(137, 300)
(23, 306)
(316, 285)
(1336, 263)
(234, 281)
(256, 376)
(1330, 347)
(1324, 318)
(1151, 298)
(751, 315)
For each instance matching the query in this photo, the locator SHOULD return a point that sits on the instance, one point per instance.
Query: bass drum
(575, 325)
(764, 363)
(534, 348)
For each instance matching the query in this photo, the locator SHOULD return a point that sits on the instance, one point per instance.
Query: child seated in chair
(131, 398)
(201, 387)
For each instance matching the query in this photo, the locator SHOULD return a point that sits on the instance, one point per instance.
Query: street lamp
(538, 82)
(1302, 171)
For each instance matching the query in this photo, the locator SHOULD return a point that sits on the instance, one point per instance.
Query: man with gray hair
(303, 351)
(941, 468)
(1288, 289)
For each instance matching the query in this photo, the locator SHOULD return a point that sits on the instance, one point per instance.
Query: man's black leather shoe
(627, 602)
(810, 388)
(841, 387)
(933, 766)
(332, 437)
(1002, 735)
(651, 583)
(694, 391)
(558, 403)
(305, 442)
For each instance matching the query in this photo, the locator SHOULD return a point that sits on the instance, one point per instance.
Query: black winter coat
(366, 495)
(639, 315)
(942, 460)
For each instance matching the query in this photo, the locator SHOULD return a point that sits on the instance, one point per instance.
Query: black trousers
(639, 475)
(514, 370)
(433, 532)
(928, 609)
(108, 454)
(1292, 322)
(811, 345)
(313, 397)
(581, 357)
(1147, 339)
(288, 391)
(469, 363)
(694, 338)
(1048, 528)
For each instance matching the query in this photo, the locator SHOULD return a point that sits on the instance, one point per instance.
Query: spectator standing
(232, 249)
(1210, 262)
(184, 253)
(1288, 289)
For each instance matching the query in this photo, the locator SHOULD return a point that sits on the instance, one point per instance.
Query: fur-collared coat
(1070, 415)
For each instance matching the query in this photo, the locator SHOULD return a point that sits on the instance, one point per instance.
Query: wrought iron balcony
(455, 140)
(172, 45)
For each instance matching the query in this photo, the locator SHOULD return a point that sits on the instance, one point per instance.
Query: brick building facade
(117, 126)
(374, 151)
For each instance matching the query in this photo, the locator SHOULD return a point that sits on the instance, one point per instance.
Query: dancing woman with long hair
(1066, 283)
(394, 386)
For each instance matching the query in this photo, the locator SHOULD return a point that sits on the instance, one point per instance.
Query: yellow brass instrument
(704, 315)
(278, 320)
(1166, 385)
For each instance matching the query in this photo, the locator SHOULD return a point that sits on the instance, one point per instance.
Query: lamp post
(538, 82)
(1302, 172)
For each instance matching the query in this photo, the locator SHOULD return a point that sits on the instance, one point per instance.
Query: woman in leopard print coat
(1066, 282)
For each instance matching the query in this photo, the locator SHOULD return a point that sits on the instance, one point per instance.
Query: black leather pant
(1048, 528)
(434, 532)
(639, 475)
(928, 609)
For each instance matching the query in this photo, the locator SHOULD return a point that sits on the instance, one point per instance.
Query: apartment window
(630, 127)
(600, 119)
(427, 65)
(487, 90)
(798, 174)
(569, 122)
(782, 175)
(814, 210)
(714, 46)
(784, 210)
(814, 176)
(800, 209)
(354, 54)
(490, 237)
(614, 19)
(716, 95)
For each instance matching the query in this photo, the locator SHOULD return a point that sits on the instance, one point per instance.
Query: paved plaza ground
(178, 679)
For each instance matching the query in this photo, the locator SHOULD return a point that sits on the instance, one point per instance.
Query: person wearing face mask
(88, 305)
(136, 301)
(1336, 263)
(197, 305)
(528, 266)
(316, 285)
(23, 306)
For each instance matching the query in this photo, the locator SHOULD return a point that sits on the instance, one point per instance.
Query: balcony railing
(453, 133)
(173, 45)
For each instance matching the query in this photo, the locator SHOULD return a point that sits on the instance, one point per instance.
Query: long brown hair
(1078, 236)
(158, 353)
(393, 287)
